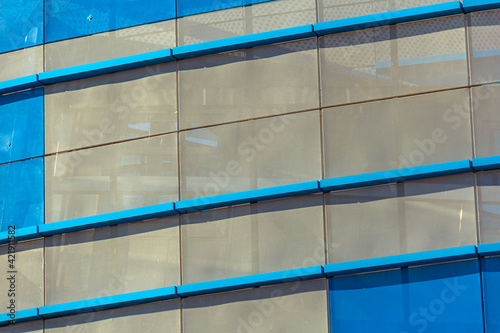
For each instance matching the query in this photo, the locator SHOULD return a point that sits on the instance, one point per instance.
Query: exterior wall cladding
(249, 166)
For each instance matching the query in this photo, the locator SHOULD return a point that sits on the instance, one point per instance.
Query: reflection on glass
(110, 108)
(250, 83)
(248, 155)
(110, 178)
(413, 216)
(112, 260)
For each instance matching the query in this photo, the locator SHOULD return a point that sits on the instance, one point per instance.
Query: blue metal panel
(490, 268)
(488, 249)
(385, 177)
(486, 163)
(20, 234)
(393, 17)
(124, 216)
(21, 316)
(256, 280)
(105, 67)
(476, 5)
(20, 83)
(402, 260)
(21, 197)
(74, 18)
(109, 302)
(21, 125)
(190, 7)
(236, 43)
(21, 24)
(434, 298)
(222, 200)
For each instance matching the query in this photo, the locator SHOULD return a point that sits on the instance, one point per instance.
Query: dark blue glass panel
(490, 268)
(435, 298)
(21, 24)
(73, 18)
(21, 195)
(21, 125)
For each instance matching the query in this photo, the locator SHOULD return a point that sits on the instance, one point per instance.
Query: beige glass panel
(485, 106)
(251, 239)
(110, 108)
(484, 29)
(249, 83)
(110, 45)
(397, 133)
(249, 155)
(293, 308)
(21, 63)
(28, 327)
(112, 260)
(489, 206)
(272, 15)
(110, 178)
(149, 317)
(413, 216)
(28, 279)
(339, 9)
(390, 61)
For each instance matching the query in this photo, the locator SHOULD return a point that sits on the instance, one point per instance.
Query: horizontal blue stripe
(20, 316)
(222, 200)
(488, 249)
(402, 260)
(256, 280)
(476, 5)
(124, 216)
(236, 43)
(20, 83)
(105, 67)
(20, 234)
(486, 163)
(386, 18)
(398, 175)
(103, 303)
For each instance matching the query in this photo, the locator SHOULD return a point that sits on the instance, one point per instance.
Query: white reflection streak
(460, 223)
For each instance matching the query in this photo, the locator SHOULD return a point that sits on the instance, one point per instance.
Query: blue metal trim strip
(256, 280)
(398, 175)
(20, 83)
(402, 260)
(20, 316)
(237, 43)
(21, 234)
(103, 303)
(222, 200)
(477, 5)
(124, 216)
(105, 67)
(488, 249)
(486, 163)
(386, 18)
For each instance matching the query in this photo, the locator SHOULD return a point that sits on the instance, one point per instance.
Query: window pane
(21, 24)
(489, 206)
(21, 63)
(485, 101)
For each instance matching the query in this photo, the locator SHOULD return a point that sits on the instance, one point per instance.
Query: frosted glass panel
(112, 260)
(250, 83)
(249, 155)
(251, 239)
(109, 108)
(406, 217)
(397, 134)
(292, 308)
(111, 178)
(396, 60)
(110, 45)
(28, 279)
(489, 206)
(484, 29)
(21, 63)
(149, 317)
(485, 104)
(272, 15)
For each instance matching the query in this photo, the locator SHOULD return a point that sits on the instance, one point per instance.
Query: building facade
(249, 166)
